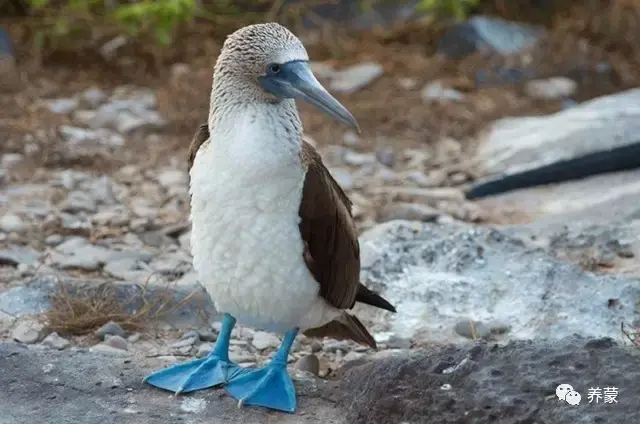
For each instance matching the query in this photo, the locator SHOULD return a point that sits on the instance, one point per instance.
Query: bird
(273, 238)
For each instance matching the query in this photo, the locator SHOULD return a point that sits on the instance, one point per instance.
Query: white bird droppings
(193, 405)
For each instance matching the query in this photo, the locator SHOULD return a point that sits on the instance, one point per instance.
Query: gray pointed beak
(296, 81)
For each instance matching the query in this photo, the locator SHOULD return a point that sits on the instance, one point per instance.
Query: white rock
(551, 88)
(54, 341)
(355, 77)
(109, 350)
(435, 90)
(61, 106)
(11, 159)
(263, 340)
(204, 349)
(12, 223)
(27, 331)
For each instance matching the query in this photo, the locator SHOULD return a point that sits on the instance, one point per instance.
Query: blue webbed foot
(269, 386)
(213, 370)
(194, 375)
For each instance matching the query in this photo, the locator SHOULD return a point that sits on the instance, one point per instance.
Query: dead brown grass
(80, 311)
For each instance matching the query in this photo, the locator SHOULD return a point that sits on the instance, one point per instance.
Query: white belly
(246, 244)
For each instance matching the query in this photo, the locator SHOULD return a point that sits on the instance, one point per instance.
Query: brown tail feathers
(346, 327)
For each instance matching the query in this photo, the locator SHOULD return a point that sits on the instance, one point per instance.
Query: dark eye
(273, 68)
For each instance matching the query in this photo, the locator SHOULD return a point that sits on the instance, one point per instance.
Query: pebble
(54, 239)
(385, 157)
(78, 201)
(110, 329)
(206, 335)
(343, 177)
(239, 357)
(61, 106)
(467, 328)
(12, 223)
(352, 356)
(408, 211)
(359, 159)
(93, 97)
(27, 332)
(263, 340)
(355, 77)
(135, 337)
(54, 341)
(188, 342)
(204, 349)
(351, 139)
(309, 363)
(109, 350)
(116, 342)
(9, 160)
(551, 88)
(435, 90)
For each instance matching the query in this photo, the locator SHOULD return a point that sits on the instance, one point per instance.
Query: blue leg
(269, 386)
(214, 369)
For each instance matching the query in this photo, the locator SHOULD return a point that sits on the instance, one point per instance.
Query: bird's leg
(212, 370)
(269, 386)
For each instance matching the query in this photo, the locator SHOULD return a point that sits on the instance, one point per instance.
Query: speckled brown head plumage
(245, 55)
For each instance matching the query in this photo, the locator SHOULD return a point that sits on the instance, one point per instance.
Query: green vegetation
(60, 19)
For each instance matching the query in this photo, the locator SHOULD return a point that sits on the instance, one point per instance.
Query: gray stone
(351, 139)
(355, 77)
(407, 211)
(78, 201)
(61, 106)
(203, 350)
(359, 159)
(54, 239)
(108, 350)
(482, 383)
(9, 160)
(436, 91)
(54, 341)
(110, 329)
(309, 363)
(206, 335)
(16, 255)
(263, 340)
(81, 261)
(551, 88)
(484, 33)
(116, 342)
(344, 177)
(12, 223)
(80, 136)
(93, 97)
(437, 275)
(27, 331)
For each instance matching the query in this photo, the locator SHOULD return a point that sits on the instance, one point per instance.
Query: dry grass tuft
(82, 310)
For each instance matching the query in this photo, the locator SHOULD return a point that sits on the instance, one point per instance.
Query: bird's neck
(281, 118)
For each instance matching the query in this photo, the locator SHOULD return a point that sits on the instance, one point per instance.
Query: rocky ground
(97, 287)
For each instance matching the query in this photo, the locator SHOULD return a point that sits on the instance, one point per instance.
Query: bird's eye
(273, 68)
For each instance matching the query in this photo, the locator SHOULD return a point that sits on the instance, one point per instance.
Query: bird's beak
(296, 81)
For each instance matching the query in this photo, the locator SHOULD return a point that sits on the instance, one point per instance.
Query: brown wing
(201, 135)
(332, 252)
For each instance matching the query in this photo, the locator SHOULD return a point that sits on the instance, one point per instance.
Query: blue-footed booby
(273, 239)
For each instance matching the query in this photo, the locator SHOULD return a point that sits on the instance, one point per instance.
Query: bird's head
(274, 65)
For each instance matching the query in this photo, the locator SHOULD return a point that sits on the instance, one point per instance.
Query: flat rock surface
(441, 275)
(483, 383)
